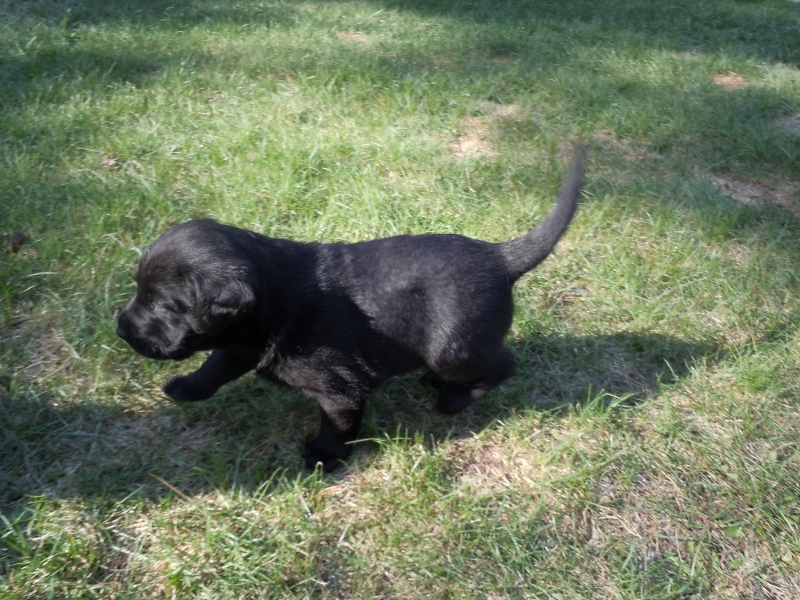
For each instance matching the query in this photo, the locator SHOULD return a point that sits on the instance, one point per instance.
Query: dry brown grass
(730, 82)
(356, 37)
(473, 140)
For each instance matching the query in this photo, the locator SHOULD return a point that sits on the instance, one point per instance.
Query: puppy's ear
(224, 304)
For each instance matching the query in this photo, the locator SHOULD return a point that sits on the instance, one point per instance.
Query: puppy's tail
(525, 252)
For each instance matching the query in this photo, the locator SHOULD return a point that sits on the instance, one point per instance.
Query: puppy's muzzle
(124, 327)
(128, 331)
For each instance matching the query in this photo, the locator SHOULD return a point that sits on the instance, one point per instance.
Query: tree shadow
(757, 29)
(506, 50)
(78, 64)
(62, 56)
(177, 14)
(737, 138)
(252, 432)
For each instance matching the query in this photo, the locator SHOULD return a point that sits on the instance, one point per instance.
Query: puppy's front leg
(222, 366)
(341, 420)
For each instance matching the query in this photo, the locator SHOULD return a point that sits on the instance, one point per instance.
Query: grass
(648, 446)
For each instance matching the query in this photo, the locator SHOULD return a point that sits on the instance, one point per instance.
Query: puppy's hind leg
(221, 367)
(455, 396)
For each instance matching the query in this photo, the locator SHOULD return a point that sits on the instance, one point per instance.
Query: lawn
(649, 444)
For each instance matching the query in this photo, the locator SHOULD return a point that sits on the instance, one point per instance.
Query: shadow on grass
(761, 30)
(757, 29)
(45, 57)
(85, 65)
(179, 14)
(505, 50)
(252, 432)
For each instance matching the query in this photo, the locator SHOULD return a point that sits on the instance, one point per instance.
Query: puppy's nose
(123, 329)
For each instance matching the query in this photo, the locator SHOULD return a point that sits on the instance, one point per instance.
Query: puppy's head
(191, 286)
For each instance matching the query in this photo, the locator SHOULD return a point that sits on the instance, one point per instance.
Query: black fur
(335, 320)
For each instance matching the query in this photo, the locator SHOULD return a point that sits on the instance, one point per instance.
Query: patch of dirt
(472, 140)
(736, 251)
(788, 198)
(730, 82)
(355, 36)
(392, 179)
(109, 161)
(493, 466)
(746, 192)
(500, 110)
(784, 195)
(42, 349)
(561, 298)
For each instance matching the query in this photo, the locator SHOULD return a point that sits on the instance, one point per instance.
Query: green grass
(648, 445)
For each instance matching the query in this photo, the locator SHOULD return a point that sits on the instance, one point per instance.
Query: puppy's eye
(169, 308)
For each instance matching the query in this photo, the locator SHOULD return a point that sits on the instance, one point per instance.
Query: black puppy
(335, 320)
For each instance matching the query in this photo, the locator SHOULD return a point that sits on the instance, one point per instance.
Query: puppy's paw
(454, 398)
(184, 389)
(316, 453)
